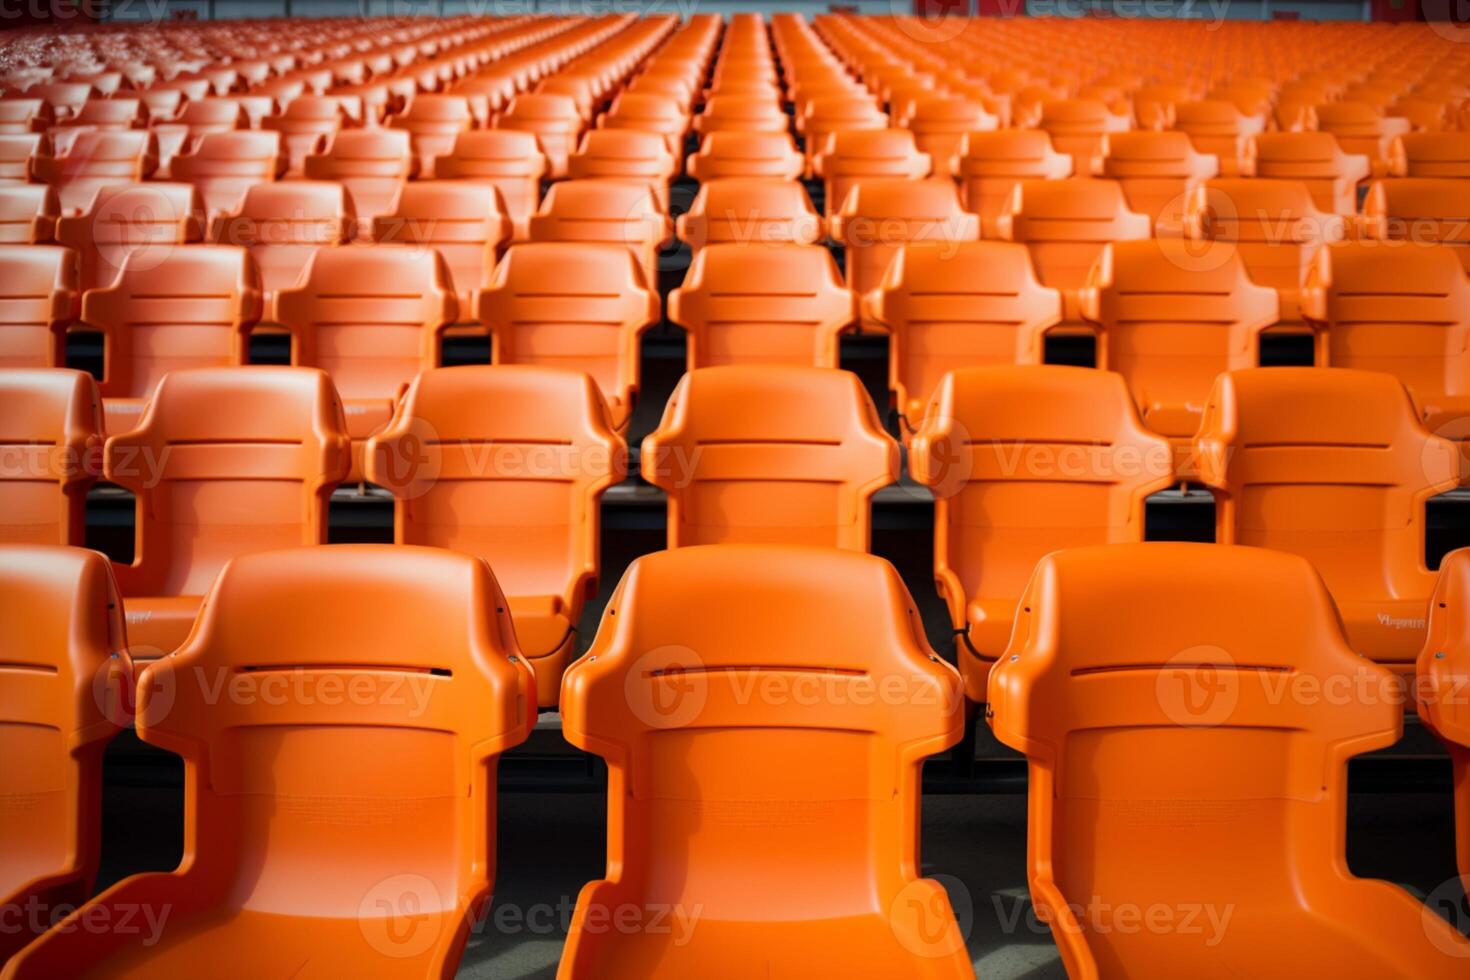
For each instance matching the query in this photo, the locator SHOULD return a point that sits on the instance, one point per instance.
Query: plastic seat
(990, 166)
(1024, 461)
(373, 164)
(108, 113)
(830, 114)
(1403, 310)
(51, 433)
(956, 306)
(1168, 770)
(1362, 130)
(1441, 685)
(1273, 225)
(39, 299)
(583, 306)
(628, 156)
(762, 304)
(1077, 127)
(749, 211)
(224, 462)
(1333, 465)
(20, 115)
(838, 781)
(740, 113)
(324, 819)
(463, 222)
(148, 219)
(1317, 160)
(879, 217)
(606, 212)
(226, 165)
(1157, 170)
(856, 155)
(769, 454)
(16, 152)
(508, 464)
(940, 125)
(372, 317)
(648, 113)
(182, 307)
(553, 120)
(1066, 224)
(733, 153)
(197, 118)
(305, 125)
(283, 224)
(509, 161)
(97, 160)
(28, 214)
(66, 686)
(1428, 155)
(1219, 127)
(1418, 209)
(433, 122)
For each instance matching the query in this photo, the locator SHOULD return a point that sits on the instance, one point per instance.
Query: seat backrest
(306, 122)
(1077, 127)
(148, 220)
(1331, 464)
(66, 687)
(28, 214)
(852, 155)
(38, 301)
(577, 305)
(1220, 127)
(843, 768)
(1066, 224)
(738, 153)
(225, 462)
(749, 211)
(509, 161)
(940, 125)
(24, 115)
(433, 122)
(1148, 681)
(1157, 170)
(191, 307)
(554, 121)
(608, 212)
(1170, 326)
(769, 454)
(742, 113)
(51, 434)
(1419, 209)
(1430, 155)
(370, 316)
(16, 152)
(98, 159)
(1361, 128)
(990, 165)
(881, 215)
(373, 164)
(1331, 175)
(647, 112)
(283, 224)
(1024, 461)
(625, 155)
(507, 463)
(223, 166)
(463, 222)
(958, 306)
(1403, 309)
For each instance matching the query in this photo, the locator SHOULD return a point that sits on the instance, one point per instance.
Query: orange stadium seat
(24, 115)
(66, 686)
(625, 155)
(1317, 160)
(1220, 127)
(850, 768)
(508, 464)
(648, 113)
(283, 224)
(1024, 461)
(762, 304)
(1149, 676)
(769, 454)
(197, 119)
(1078, 128)
(373, 164)
(553, 120)
(192, 306)
(1157, 170)
(372, 317)
(940, 125)
(1442, 682)
(39, 299)
(433, 123)
(1333, 465)
(1363, 130)
(1169, 327)
(1419, 209)
(881, 216)
(97, 160)
(16, 153)
(296, 849)
(746, 211)
(509, 161)
(305, 125)
(1402, 309)
(740, 113)
(606, 212)
(578, 305)
(463, 222)
(735, 153)
(28, 214)
(853, 155)
(1066, 224)
(51, 434)
(224, 462)
(990, 165)
(956, 306)
(149, 220)
(223, 166)
(1430, 155)
(828, 114)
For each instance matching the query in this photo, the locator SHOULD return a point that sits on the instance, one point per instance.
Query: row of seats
(669, 680)
(510, 463)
